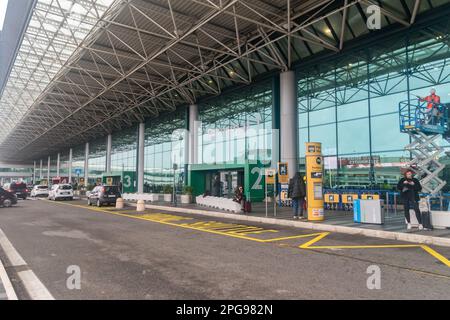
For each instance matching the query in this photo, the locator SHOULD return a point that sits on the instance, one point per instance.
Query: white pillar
(193, 134)
(48, 170)
(40, 170)
(288, 121)
(86, 164)
(141, 158)
(108, 152)
(34, 172)
(58, 164)
(70, 165)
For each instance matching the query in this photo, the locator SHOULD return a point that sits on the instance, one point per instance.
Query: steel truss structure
(97, 70)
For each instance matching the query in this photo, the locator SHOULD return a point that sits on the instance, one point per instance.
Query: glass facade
(123, 151)
(97, 159)
(164, 148)
(351, 106)
(78, 154)
(237, 127)
(64, 164)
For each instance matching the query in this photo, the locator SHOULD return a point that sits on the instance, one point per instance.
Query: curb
(407, 237)
(4, 279)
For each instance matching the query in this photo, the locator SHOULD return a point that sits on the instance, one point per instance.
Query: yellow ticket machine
(314, 181)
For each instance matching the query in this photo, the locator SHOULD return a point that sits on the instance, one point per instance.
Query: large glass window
(97, 159)
(164, 151)
(123, 151)
(237, 126)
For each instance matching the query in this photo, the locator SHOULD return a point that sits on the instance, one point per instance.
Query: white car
(61, 192)
(39, 191)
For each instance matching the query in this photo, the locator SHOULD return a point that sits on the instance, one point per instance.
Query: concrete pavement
(163, 255)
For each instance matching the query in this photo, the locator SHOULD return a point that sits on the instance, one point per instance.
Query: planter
(167, 197)
(153, 197)
(186, 198)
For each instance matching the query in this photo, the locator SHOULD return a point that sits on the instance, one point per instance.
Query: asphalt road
(178, 256)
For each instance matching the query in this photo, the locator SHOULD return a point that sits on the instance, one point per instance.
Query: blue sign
(77, 172)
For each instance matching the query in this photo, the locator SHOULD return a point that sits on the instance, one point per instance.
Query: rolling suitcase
(247, 206)
(424, 208)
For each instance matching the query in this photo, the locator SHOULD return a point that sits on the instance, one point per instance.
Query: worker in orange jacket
(433, 101)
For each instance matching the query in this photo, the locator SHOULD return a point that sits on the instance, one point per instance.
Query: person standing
(409, 188)
(239, 197)
(297, 192)
(216, 186)
(433, 101)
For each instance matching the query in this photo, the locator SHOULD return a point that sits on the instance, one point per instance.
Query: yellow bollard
(119, 203)
(140, 206)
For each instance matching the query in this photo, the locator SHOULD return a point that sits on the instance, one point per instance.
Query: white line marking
(13, 256)
(34, 287)
(10, 293)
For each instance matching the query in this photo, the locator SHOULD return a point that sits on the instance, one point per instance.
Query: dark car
(20, 189)
(7, 199)
(103, 194)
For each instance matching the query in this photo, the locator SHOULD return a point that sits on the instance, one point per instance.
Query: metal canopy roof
(92, 67)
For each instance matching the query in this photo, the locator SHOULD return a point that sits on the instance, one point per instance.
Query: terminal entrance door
(230, 181)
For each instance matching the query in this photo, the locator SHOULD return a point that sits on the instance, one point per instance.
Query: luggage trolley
(370, 196)
(332, 201)
(348, 199)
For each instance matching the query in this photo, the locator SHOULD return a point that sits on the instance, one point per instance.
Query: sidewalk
(335, 221)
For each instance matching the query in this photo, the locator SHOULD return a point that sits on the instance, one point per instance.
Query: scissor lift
(425, 131)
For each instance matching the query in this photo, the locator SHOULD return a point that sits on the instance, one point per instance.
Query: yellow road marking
(186, 226)
(437, 255)
(207, 225)
(319, 237)
(434, 253)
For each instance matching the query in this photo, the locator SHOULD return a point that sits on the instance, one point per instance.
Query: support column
(141, 158)
(193, 134)
(108, 152)
(288, 121)
(275, 121)
(70, 165)
(58, 164)
(86, 164)
(40, 170)
(34, 172)
(48, 170)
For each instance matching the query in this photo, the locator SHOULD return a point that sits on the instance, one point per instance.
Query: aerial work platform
(425, 127)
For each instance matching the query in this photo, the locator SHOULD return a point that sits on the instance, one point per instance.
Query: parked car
(7, 199)
(39, 191)
(18, 188)
(103, 194)
(61, 192)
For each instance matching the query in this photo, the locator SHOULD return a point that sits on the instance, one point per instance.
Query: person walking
(409, 188)
(297, 192)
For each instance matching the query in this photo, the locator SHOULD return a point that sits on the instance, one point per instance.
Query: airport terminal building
(244, 85)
